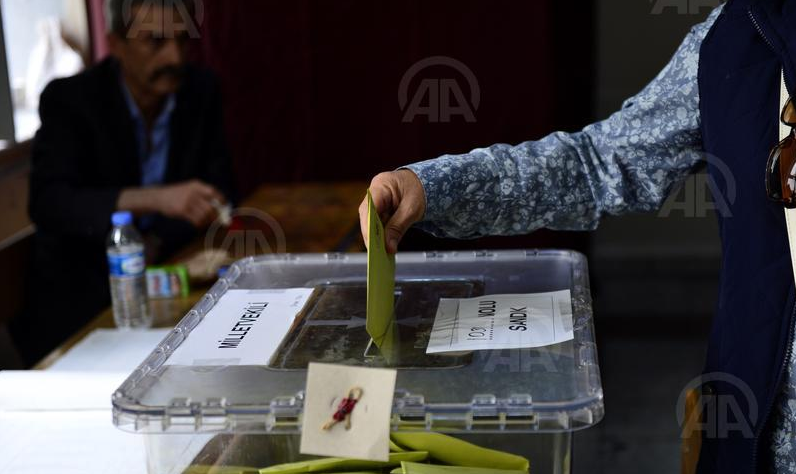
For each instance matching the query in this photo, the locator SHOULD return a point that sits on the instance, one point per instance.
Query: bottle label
(128, 264)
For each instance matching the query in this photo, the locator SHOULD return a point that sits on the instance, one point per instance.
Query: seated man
(140, 131)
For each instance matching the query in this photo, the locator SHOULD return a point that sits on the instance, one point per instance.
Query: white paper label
(245, 327)
(502, 322)
(365, 434)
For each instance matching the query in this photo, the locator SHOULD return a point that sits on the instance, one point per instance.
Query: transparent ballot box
(228, 416)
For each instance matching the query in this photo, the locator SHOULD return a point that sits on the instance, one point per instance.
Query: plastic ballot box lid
(550, 388)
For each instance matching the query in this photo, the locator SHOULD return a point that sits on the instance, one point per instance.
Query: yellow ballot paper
(381, 280)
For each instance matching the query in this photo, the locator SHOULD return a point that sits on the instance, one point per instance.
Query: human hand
(400, 201)
(191, 201)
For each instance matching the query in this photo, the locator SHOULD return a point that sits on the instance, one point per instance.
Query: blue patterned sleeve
(565, 181)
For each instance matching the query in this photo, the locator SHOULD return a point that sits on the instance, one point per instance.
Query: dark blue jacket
(739, 84)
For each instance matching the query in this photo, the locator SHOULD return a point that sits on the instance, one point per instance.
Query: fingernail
(394, 245)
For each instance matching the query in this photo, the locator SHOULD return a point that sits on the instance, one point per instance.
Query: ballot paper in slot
(380, 283)
(502, 322)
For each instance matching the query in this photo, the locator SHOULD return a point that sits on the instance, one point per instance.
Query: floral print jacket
(629, 162)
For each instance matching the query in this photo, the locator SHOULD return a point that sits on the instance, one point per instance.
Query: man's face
(153, 51)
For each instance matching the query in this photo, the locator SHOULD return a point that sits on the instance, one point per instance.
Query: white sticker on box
(363, 428)
(502, 322)
(245, 327)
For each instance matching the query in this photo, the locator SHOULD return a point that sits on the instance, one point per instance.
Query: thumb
(397, 226)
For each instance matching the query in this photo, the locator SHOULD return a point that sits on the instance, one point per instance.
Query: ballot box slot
(331, 327)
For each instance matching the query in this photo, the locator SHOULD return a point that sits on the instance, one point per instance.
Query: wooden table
(312, 217)
(16, 232)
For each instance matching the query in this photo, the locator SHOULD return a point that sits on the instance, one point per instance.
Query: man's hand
(400, 201)
(190, 201)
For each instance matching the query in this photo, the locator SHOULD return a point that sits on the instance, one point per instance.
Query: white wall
(19, 20)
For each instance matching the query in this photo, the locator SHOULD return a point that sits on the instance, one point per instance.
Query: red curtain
(311, 88)
(96, 22)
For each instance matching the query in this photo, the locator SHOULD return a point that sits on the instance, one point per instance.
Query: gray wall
(667, 263)
(6, 109)
(635, 39)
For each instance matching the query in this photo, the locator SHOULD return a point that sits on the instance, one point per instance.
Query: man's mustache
(175, 72)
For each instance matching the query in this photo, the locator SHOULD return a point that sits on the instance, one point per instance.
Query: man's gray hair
(118, 13)
(116, 20)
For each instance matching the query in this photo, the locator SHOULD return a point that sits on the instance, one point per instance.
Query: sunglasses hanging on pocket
(781, 165)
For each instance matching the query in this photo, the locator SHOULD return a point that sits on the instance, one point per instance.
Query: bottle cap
(122, 218)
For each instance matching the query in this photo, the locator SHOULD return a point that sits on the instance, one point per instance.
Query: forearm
(506, 190)
(563, 181)
(191, 201)
(139, 201)
(628, 162)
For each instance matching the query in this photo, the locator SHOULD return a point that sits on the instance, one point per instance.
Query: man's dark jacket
(739, 85)
(83, 155)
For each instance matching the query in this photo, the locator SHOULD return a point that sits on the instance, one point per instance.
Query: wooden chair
(692, 435)
(15, 256)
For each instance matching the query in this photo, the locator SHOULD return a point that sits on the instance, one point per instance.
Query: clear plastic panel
(549, 389)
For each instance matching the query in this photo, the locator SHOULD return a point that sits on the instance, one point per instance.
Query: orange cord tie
(344, 409)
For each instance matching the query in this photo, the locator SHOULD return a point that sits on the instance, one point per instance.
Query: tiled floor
(642, 374)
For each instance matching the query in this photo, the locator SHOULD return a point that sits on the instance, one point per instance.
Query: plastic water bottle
(127, 274)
